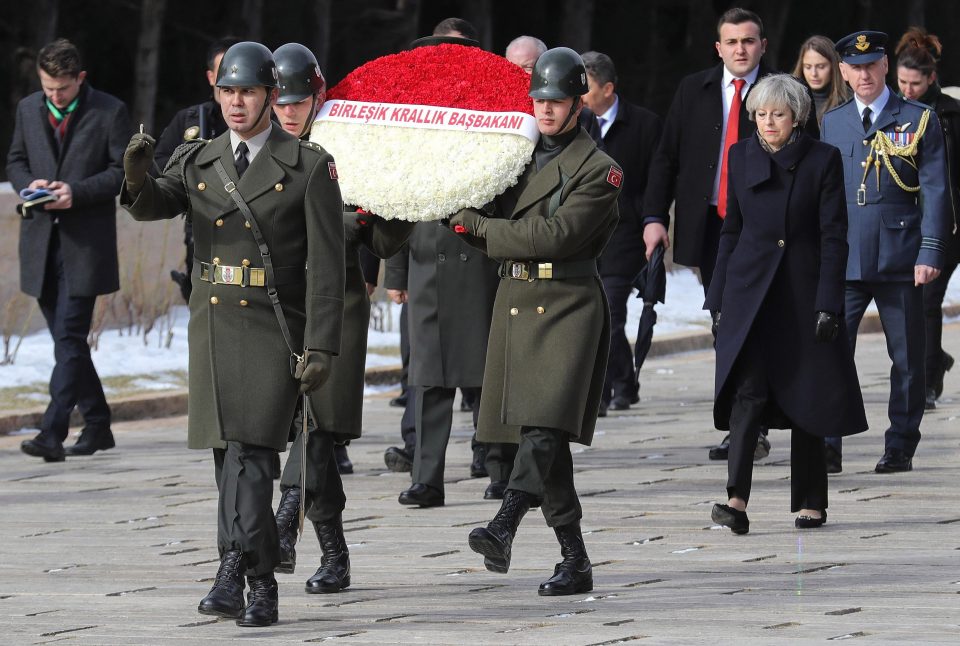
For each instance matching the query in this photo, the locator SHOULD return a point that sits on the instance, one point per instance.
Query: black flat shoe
(894, 461)
(735, 519)
(421, 495)
(45, 446)
(809, 522)
(495, 490)
(398, 460)
(91, 440)
(720, 451)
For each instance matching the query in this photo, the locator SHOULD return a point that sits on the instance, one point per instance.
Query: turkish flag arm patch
(332, 167)
(615, 176)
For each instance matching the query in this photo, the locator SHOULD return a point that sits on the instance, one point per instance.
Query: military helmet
(299, 73)
(558, 74)
(247, 64)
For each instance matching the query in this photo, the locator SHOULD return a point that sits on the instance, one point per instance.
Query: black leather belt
(244, 276)
(548, 270)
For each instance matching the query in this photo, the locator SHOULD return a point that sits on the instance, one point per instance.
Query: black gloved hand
(469, 221)
(314, 370)
(137, 160)
(828, 327)
(716, 324)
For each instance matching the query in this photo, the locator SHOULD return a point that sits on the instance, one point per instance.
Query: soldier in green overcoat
(265, 311)
(550, 319)
(336, 409)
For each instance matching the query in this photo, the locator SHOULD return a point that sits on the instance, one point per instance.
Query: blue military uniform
(899, 214)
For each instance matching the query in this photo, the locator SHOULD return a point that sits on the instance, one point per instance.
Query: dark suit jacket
(685, 163)
(173, 135)
(91, 162)
(782, 258)
(631, 141)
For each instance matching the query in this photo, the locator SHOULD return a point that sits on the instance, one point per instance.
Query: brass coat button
(278, 187)
(245, 262)
(246, 224)
(243, 303)
(540, 310)
(780, 243)
(514, 311)
(214, 300)
(202, 186)
(863, 164)
(219, 222)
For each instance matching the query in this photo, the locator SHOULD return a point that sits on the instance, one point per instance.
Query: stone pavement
(118, 548)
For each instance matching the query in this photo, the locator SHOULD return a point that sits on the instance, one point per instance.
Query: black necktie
(867, 122)
(241, 162)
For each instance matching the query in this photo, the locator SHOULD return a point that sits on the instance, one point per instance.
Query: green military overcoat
(549, 339)
(240, 382)
(338, 406)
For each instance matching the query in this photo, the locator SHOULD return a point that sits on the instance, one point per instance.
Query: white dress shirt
(728, 89)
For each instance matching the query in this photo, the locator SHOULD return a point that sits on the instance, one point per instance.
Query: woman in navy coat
(783, 360)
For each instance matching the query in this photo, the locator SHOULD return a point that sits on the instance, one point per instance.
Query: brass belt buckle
(545, 270)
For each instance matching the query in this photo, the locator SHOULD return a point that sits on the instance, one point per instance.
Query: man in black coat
(629, 134)
(689, 163)
(69, 139)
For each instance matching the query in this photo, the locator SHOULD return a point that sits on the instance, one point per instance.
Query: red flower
(451, 76)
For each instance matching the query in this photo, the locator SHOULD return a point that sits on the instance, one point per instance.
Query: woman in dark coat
(783, 360)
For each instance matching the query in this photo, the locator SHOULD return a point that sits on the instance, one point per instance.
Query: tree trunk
(251, 16)
(479, 13)
(320, 42)
(148, 49)
(577, 26)
(45, 17)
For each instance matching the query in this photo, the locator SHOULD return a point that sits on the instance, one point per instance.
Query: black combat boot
(262, 602)
(288, 522)
(334, 572)
(495, 540)
(573, 574)
(225, 598)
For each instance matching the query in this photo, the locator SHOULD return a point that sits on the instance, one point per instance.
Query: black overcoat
(782, 259)
(685, 164)
(631, 141)
(90, 160)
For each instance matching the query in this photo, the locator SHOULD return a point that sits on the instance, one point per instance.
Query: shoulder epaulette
(838, 106)
(184, 152)
(306, 143)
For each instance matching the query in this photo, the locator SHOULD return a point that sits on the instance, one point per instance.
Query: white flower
(419, 174)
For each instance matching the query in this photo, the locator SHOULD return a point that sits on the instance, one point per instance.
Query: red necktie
(733, 130)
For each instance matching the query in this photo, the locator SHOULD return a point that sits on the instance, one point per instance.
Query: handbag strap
(231, 188)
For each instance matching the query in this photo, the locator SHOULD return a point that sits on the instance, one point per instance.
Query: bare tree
(148, 46)
(577, 25)
(320, 43)
(46, 14)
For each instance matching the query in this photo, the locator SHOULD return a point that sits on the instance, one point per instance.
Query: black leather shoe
(833, 458)
(477, 467)
(333, 575)
(288, 524)
(398, 460)
(45, 446)
(344, 465)
(225, 598)
(495, 541)
(735, 519)
(495, 490)
(946, 362)
(421, 495)
(894, 461)
(809, 522)
(720, 451)
(603, 409)
(930, 403)
(399, 402)
(91, 440)
(262, 602)
(619, 403)
(574, 574)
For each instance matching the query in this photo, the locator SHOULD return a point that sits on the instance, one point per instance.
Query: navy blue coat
(894, 230)
(781, 260)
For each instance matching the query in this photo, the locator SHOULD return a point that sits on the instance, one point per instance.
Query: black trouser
(323, 499)
(500, 459)
(544, 470)
(408, 423)
(620, 380)
(433, 407)
(933, 294)
(74, 381)
(245, 521)
(751, 395)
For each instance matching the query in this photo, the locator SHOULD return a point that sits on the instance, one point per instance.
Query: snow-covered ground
(120, 354)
